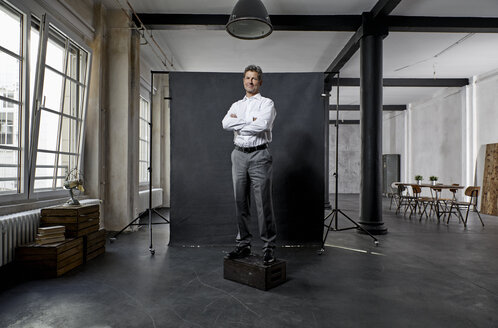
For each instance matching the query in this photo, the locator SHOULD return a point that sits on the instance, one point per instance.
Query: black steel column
(371, 127)
(326, 118)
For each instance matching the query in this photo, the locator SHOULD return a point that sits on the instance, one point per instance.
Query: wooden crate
(251, 271)
(52, 260)
(94, 245)
(79, 220)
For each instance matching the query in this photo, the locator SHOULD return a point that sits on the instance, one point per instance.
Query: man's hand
(233, 116)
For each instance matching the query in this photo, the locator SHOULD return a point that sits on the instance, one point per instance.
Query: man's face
(252, 82)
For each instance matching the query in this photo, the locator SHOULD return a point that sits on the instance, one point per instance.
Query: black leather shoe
(239, 252)
(268, 257)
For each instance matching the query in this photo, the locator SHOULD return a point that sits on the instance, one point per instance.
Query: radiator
(21, 228)
(17, 229)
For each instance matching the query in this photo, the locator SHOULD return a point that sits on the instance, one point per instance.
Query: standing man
(251, 120)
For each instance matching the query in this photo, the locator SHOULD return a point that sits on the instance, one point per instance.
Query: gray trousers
(253, 172)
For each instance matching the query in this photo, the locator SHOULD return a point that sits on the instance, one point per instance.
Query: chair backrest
(472, 191)
(416, 190)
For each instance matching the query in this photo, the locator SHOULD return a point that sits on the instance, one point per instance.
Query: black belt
(251, 149)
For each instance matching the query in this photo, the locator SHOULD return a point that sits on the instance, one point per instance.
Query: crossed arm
(263, 122)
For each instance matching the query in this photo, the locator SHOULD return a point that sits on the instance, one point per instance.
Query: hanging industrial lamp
(249, 20)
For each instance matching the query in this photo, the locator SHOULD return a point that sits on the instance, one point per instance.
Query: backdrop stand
(336, 211)
(150, 209)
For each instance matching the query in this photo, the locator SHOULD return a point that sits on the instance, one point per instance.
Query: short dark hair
(254, 68)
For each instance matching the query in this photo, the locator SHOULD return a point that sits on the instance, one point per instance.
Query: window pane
(71, 99)
(44, 169)
(9, 174)
(55, 53)
(49, 127)
(66, 164)
(52, 90)
(10, 27)
(70, 135)
(9, 76)
(9, 124)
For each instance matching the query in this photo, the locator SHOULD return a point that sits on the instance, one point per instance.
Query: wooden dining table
(435, 195)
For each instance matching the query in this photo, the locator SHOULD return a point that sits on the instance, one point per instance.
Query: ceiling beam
(405, 82)
(331, 23)
(442, 24)
(357, 107)
(381, 9)
(347, 23)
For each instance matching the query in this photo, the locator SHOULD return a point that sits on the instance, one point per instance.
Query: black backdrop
(202, 203)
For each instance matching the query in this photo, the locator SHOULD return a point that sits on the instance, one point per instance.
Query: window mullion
(37, 98)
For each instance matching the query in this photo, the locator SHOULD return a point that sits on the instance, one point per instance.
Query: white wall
(436, 137)
(486, 117)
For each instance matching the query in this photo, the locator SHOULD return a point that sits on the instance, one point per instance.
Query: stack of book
(49, 235)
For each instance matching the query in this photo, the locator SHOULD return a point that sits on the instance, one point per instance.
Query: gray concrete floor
(423, 274)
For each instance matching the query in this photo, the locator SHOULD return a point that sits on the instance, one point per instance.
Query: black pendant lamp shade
(249, 20)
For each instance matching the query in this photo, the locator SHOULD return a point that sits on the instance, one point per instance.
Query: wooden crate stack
(84, 241)
(51, 260)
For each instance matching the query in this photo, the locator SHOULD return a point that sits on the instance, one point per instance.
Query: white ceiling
(406, 55)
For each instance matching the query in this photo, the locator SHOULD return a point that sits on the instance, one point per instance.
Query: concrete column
(123, 92)
(94, 151)
(371, 130)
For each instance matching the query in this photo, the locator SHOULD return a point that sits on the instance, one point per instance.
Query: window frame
(46, 24)
(144, 96)
(29, 10)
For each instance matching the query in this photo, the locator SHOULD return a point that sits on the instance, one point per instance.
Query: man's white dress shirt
(254, 122)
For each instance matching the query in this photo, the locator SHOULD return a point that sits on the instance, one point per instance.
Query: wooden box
(52, 260)
(251, 271)
(79, 220)
(94, 245)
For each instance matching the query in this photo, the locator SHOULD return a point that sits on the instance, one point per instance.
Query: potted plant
(433, 179)
(419, 178)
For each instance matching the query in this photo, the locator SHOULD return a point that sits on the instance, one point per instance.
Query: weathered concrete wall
(349, 158)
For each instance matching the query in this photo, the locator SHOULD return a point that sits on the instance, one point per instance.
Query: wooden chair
(442, 203)
(419, 202)
(403, 198)
(473, 193)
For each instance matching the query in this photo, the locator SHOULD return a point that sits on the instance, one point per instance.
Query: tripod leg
(160, 215)
(376, 241)
(334, 216)
(113, 238)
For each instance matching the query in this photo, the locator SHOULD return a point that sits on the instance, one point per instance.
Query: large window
(144, 141)
(11, 106)
(43, 86)
(60, 111)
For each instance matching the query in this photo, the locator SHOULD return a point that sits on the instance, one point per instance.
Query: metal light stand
(150, 209)
(336, 211)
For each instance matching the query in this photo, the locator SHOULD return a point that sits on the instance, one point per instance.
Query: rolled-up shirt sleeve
(233, 123)
(264, 120)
